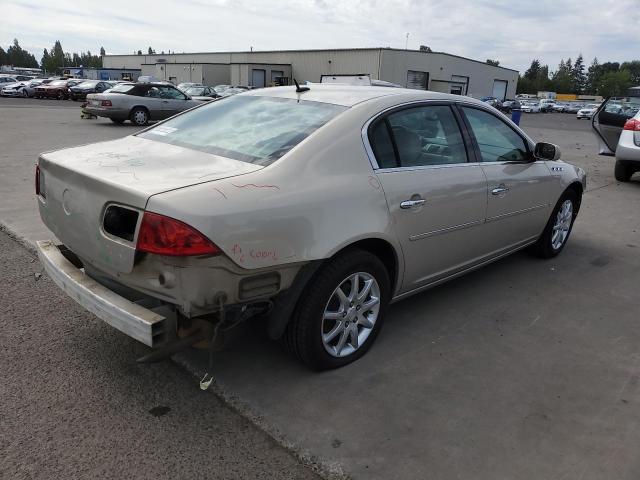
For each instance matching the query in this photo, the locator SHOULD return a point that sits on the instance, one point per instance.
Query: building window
(417, 80)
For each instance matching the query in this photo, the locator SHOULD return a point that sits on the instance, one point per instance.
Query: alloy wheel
(350, 314)
(562, 225)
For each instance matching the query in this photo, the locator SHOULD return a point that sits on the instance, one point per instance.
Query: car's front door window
(496, 140)
(171, 93)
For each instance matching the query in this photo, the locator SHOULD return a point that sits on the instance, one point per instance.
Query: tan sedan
(315, 207)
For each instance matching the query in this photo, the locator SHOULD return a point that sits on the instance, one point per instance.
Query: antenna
(300, 89)
(406, 43)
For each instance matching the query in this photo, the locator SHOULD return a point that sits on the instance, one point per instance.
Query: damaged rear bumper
(132, 319)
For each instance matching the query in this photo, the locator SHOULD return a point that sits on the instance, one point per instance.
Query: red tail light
(166, 236)
(632, 124)
(106, 103)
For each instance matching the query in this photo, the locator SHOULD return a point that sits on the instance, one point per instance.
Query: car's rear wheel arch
(381, 249)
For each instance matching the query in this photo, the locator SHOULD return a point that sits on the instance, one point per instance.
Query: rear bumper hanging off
(132, 319)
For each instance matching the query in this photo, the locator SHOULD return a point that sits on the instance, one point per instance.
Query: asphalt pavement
(525, 369)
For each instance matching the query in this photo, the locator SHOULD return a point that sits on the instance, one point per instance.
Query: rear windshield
(91, 83)
(122, 88)
(249, 128)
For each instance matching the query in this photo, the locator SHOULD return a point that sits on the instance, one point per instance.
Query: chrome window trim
(364, 133)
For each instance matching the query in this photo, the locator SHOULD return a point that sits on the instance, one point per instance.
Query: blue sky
(512, 31)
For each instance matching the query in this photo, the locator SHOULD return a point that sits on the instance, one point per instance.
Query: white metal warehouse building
(440, 72)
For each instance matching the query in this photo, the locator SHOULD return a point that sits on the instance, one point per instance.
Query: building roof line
(315, 50)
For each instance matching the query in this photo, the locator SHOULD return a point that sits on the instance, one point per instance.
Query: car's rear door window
(419, 136)
(496, 140)
(250, 128)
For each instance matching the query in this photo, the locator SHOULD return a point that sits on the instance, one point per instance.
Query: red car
(56, 89)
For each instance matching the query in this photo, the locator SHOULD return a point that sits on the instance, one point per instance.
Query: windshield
(122, 88)
(89, 84)
(248, 128)
(57, 83)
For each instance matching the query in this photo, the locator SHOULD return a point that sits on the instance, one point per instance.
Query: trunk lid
(80, 183)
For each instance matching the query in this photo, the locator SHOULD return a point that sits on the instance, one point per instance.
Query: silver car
(617, 125)
(139, 102)
(313, 206)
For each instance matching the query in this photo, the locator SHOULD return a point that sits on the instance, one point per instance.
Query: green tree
(633, 67)
(3, 56)
(495, 63)
(18, 57)
(139, 52)
(102, 52)
(593, 76)
(533, 71)
(425, 48)
(151, 51)
(578, 76)
(614, 83)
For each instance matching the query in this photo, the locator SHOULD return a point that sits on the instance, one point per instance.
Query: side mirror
(547, 151)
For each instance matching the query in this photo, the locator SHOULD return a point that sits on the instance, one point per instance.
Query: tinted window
(427, 135)
(382, 146)
(248, 128)
(170, 92)
(496, 140)
(123, 88)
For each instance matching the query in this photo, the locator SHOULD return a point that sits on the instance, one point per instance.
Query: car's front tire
(622, 172)
(341, 312)
(556, 232)
(139, 116)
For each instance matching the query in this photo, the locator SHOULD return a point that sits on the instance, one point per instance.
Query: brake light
(106, 103)
(632, 124)
(167, 236)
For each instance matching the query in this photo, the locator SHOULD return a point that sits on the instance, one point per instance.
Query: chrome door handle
(412, 203)
(499, 190)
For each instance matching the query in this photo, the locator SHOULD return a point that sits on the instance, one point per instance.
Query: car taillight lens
(167, 236)
(106, 103)
(632, 124)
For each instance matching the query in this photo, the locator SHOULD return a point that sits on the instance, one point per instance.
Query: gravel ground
(74, 404)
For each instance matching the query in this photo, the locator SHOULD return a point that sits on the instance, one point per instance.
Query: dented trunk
(92, 197)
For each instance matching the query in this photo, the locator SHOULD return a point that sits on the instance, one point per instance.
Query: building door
(258, 78)
(276, 75)
(500, 89)
(417, 80)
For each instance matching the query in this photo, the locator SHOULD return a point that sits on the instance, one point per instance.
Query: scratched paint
(373, 181)
(275, 187)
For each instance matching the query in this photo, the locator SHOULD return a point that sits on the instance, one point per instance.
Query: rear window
(248, 128)
(122, 88)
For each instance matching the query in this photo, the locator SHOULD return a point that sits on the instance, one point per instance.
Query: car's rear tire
(24, 93)
(334, 323)
(622, 172)
(118, 121)
(556, 232)
(139, 116)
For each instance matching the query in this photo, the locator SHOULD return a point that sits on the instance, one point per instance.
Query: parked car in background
(6, 79)
(509, 105)
(55, 89)
(72, 82)
(80, 92)
(29, 88)
(547, 105)
(201, 93)
(314, 208)
(529, 106)
(139, 102)
(560, 107)
(494, 102)
(574, 107)
(12, 89)
(587, 111)
(617, 126)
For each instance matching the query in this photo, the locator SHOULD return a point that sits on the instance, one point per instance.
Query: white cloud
(512, 32)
